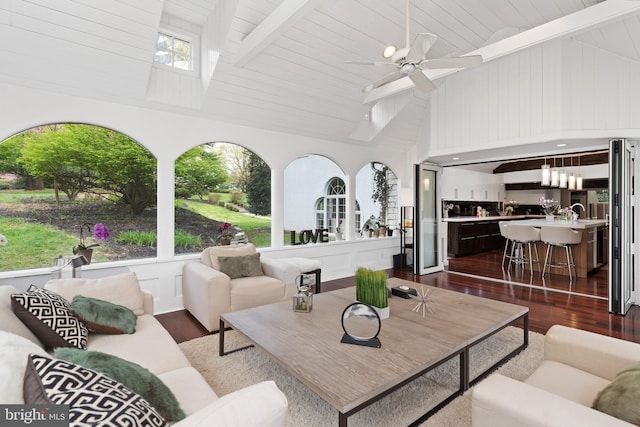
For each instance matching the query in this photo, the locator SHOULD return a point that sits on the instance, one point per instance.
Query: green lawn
(32, 245)
(18, 196)
(257, 229)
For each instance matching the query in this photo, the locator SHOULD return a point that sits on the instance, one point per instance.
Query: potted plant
(100, 231)
(371, 288)
(226, 233)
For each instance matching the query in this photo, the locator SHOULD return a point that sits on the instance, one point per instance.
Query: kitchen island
(468, 235)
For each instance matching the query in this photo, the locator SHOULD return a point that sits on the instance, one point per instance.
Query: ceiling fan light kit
(411, 61)
(389, 51)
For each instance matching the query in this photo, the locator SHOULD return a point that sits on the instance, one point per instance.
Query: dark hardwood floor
(489, 264)
(546, 306)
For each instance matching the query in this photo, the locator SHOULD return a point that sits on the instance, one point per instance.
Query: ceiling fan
(410, 61)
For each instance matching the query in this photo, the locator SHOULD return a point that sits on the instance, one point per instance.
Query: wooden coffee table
(307, 345)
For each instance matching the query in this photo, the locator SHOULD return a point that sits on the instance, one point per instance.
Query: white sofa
(207, 292)
(152, 347)
(577, 366)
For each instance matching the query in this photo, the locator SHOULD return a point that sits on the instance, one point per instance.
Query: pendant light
(579, 177)
(563, 176)
(554, 174)
(572, 178)
(546, 174)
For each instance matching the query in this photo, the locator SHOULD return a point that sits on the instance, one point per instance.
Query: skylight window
(173, 52)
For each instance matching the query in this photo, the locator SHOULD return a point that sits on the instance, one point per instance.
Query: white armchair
(208, 292)
(577, 366)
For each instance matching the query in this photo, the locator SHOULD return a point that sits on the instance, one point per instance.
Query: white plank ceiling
(290, 75)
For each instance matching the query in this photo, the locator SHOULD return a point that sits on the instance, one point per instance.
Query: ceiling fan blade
(456, 62)
(421, 81)
(374, 63)
(391, 77)
(420, 47)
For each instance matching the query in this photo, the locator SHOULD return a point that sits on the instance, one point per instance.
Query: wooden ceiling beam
(587, 159)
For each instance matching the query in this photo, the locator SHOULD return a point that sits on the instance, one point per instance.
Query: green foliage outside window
(259, 186)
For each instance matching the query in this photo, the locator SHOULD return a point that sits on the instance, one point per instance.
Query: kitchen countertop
(537, 220)
(489, 218)
(579, 224)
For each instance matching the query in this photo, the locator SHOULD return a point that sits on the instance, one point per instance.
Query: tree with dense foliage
(259, 186)
(237, 161)
(124, 169)
(10, 152)
(198, 172)
(90, 159)
(55, 154)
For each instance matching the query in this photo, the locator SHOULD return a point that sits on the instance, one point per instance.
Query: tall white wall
(563, 89)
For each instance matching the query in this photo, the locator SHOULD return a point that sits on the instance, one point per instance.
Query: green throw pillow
(241, 266)
(103, 316)
(131, 375)
(620, 398)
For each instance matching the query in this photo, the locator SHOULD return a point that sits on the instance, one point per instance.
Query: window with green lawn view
(66, 188)
(223, 196)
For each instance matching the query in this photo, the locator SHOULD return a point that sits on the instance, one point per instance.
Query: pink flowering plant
(100, 231)
(225, 230)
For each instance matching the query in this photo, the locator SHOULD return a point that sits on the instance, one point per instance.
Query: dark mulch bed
(68, 217)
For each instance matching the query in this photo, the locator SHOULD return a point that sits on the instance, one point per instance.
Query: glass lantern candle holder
(303, 300)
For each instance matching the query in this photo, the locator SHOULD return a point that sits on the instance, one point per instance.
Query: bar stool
(503, 232)
(520, 235)
(562, 237)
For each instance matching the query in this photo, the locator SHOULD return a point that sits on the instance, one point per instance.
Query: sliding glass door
(427, 218)
(622, 226)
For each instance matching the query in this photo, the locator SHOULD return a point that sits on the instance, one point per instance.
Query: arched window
(58, 181)
(217, 184)
(377, 193)
(335, 203)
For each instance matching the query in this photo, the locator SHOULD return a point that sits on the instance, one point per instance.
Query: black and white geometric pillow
(93, 398)
(48, 316)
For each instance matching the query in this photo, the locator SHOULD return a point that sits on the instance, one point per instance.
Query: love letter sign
(309, 236)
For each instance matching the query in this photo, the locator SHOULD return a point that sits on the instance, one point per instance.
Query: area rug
(402, 407)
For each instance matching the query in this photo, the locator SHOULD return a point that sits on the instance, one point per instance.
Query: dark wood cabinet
(466, 238)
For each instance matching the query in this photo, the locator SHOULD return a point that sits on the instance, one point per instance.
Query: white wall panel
(599, 89)
(551, 87)
(563, 89)
(175, 88)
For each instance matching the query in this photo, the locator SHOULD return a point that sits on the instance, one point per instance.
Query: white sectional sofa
(152, 347)
(577, 366)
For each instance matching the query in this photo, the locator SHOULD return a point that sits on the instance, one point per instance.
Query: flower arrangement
(100, 231)
(549, 206)
(225, 230)
(448, 206)
(339, 227)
